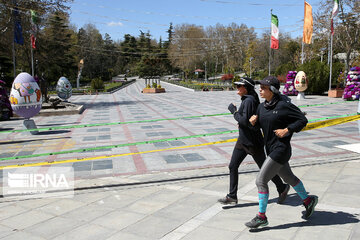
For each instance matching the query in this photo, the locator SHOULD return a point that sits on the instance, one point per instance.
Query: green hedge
(197, 86)
(318, 74)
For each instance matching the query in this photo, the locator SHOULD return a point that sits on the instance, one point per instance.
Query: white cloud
(111, 24)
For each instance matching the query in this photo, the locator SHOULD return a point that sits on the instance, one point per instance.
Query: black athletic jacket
(248, 135)
(282, 114)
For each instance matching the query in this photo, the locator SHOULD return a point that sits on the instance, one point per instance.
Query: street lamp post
(81, 65)
(250, 60)
(205, 73)
(322, 53)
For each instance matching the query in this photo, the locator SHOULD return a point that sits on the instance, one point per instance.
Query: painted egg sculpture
(301, 81)
(63, 88)
(25, 96)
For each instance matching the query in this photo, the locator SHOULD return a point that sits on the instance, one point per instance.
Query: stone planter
(335, 93)
(153, 90)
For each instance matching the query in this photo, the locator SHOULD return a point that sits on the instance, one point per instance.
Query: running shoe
(310, 207)
(283, 195)
(256, 222)
(228, 200)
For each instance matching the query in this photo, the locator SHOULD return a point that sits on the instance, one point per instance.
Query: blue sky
(119, 17)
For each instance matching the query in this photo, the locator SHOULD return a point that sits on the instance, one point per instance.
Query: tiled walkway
(172, 194)
(129, 104)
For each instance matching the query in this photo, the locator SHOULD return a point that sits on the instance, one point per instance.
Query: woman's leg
(269, 169)
(259, 157)
(309, 202)
(295, 182)
(236, 159)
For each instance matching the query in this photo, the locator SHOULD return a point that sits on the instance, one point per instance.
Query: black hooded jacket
(249, 137)
(282, 114)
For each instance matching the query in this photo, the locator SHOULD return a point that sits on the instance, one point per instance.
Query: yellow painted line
(309, 126)
(110, 156)
(331, 122)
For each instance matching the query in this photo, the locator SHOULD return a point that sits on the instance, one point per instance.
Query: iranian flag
(274, 32)
(34, 22)
(335, 9)
(333, 14)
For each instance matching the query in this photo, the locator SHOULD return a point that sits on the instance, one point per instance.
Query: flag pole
(270, 43)
(13, 44)
(333, 14)
(32, 59)
(14, 58)
(302, 42)
(302, 52)
(331, 53)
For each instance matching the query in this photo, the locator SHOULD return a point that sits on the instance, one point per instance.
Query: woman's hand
(253, 119)
(232, 108)
(280, 133)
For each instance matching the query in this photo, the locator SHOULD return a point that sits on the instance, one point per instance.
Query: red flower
(227, 77)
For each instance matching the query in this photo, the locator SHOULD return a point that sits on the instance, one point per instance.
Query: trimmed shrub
(318, 74)
(97, 84)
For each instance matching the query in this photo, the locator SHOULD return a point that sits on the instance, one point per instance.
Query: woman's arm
(246, 110)
(295, 118)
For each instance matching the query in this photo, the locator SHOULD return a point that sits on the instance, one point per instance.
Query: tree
(187, 48)
(92, 51)
(57, 56)
(129, 51)
(346, 27)
(150, 66)
(43, 9)
(249, 58)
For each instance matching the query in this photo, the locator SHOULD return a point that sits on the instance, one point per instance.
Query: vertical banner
(308, 23)
(34, 21)
(274, 32)
(335, 11)
(18, 37)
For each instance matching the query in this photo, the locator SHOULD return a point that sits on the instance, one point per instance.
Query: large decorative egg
(301, 81)
(25, 96)
(63, 88)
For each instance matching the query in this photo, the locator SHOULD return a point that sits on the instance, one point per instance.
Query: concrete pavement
(172, 193)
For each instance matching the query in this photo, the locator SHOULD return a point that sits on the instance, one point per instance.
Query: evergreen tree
(57, 58)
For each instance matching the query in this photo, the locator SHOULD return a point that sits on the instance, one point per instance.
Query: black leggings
(269, 170)
(236, 159)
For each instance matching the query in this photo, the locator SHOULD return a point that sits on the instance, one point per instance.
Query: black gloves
(232, 108)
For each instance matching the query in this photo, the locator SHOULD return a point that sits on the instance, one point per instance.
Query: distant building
(342, 56)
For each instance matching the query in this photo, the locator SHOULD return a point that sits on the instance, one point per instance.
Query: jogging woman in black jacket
(250, 141)
(279, 119)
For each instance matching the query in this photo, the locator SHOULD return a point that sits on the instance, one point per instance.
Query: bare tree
(187, 47)
(346, 27)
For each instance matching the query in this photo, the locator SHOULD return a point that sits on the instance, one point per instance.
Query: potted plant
(338, 91)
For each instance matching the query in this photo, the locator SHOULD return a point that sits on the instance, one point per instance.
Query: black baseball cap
(245, 81)
(270, 81)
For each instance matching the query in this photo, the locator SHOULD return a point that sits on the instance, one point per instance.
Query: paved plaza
(158, 175)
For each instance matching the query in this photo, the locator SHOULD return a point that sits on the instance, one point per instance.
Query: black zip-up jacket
(281, 115)
(248, 135)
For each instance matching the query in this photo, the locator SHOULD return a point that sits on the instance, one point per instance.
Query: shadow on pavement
(291, 200)
(241, 205)
(31, 140)
(53, 132)
(56, 124)
(6, 129)
(319, 218)
(106, 104)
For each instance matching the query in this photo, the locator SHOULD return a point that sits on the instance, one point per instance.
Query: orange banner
(308, 24)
